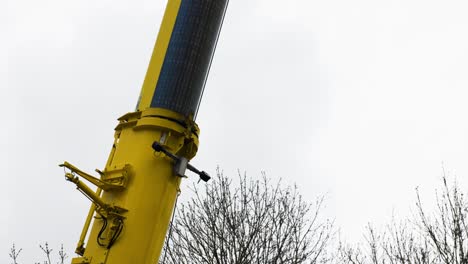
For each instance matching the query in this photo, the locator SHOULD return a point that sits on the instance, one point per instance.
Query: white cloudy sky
(359, 100)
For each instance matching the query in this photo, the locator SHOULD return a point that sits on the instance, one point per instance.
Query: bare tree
(256, 222)
(46, 251)
(428, 238)
(447, 229)
(399, 244)
(14, 254)
(62, 255)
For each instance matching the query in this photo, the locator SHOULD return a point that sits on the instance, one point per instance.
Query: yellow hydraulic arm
(136, 191)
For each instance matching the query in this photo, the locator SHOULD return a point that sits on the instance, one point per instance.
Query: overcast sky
(361, 101)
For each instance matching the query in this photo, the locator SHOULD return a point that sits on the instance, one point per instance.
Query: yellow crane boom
(136, 191)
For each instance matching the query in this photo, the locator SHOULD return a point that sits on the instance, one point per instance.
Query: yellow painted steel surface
(132, 207)
(136, 217)
(150, 190)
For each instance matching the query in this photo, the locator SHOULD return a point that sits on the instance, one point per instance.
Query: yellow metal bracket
(81, 260)
(115, 179)
(106, 211)
(103, 208)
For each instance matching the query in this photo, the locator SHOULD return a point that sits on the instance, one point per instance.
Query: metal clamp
(181, 163)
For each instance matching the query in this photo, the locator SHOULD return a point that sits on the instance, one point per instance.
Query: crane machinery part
(179, 75)
(136, 191)
(181, 163)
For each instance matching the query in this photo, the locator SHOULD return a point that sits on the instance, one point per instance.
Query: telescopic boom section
(136, 192)
(183, 53)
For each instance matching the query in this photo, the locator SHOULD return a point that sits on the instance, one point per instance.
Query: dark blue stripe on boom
(188, 57)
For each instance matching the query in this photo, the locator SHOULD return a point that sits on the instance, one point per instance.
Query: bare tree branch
(256, 222)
